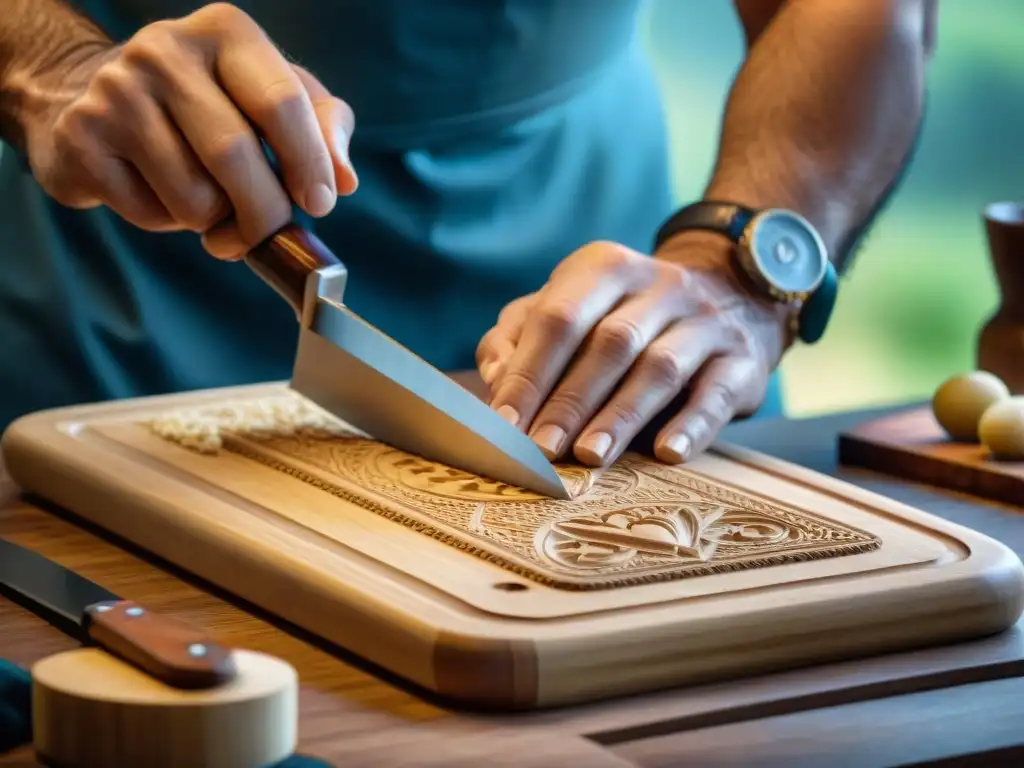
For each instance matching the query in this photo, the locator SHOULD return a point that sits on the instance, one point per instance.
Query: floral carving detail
(636, 522)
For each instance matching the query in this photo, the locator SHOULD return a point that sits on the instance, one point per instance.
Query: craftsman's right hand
(161, 130)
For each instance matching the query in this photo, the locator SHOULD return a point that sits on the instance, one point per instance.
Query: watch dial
(788, 252)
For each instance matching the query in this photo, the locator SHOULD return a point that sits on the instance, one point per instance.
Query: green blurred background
(913, 303)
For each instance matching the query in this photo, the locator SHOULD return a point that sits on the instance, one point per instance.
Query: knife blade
(370, 381)
(175, 652)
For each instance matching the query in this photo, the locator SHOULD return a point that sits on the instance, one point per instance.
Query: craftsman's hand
(163, 130)
(614, 336)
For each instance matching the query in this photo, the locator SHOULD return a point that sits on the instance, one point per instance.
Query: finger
(580, 293)
(717, 396)
(92, 169)
(122, 189)
(337, 124)
(170, 167)
(228, 148)
(85, 170)
(611, 350)
(225, 241)
(499, 343)
(661, 372)
(268, 91)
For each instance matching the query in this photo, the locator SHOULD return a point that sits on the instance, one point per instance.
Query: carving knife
(177, 653)
(368, 380)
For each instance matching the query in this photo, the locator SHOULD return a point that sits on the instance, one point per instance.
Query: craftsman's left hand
(615, 335)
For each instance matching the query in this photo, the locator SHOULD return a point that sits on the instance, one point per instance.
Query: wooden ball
(960, 401)
(92, 709)
(1001, 429)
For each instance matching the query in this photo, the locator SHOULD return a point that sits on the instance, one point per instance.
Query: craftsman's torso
(493, 138)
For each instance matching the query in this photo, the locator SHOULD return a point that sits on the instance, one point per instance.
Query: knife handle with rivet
(286, 259)
(178, 654)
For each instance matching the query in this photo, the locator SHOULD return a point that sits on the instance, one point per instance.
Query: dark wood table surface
(352, 715)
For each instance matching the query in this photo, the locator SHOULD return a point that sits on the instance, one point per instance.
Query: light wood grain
(913, 446)
(359, 580)
(90, 709)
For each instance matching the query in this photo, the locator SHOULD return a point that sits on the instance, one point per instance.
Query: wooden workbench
(353, 716)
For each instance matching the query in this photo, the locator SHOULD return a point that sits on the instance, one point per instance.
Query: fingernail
(341, 144)
(678, 448)
(509, 414)
(595, 447)
(341, 151)
(550, 439)
(319, 200)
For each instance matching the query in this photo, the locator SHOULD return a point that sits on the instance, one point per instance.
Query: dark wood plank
(913, 446)
(917, 729)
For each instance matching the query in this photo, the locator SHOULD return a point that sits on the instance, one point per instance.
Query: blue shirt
(494, 137)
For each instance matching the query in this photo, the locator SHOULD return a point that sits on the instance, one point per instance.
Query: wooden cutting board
(650, 577)
(911, 445)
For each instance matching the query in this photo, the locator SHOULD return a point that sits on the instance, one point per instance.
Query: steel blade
(48, 589)
(360, 375)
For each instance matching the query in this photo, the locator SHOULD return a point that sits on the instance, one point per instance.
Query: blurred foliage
(910, 309)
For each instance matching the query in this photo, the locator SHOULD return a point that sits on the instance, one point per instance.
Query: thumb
(338, 123)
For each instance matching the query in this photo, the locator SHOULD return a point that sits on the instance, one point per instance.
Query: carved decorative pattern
(636, 522)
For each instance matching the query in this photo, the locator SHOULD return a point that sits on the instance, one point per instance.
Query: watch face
(788, 252)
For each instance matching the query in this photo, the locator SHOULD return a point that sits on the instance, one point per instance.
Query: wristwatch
(779, 250)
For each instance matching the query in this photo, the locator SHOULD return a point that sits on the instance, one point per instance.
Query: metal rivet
(134, 612)
(197, 649)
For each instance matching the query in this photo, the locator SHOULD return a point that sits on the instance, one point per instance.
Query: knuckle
(565, 408)
(558, 318)
(619, 338)
(151, 47)
(607, 256)
(115, 82)
(521, 385)
(672, 278)
(624, 414)
(229, 152)
(719, 399)
(489, 345)
(282, 99)
(204, 207)
(665, 364)
(221, 15)
(737, 337)
(513, 310)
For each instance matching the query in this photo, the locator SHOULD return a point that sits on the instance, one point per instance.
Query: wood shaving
(202, 429)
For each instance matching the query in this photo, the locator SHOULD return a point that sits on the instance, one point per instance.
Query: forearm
(40, 41)
(824, 112)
